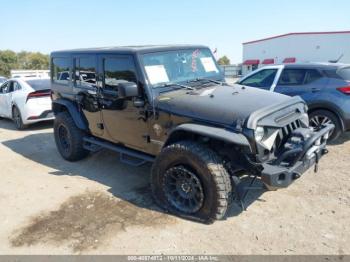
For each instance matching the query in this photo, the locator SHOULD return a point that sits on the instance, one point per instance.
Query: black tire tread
(78, 151)
(216, 167)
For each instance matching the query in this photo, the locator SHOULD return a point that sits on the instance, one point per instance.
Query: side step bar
(127, 155)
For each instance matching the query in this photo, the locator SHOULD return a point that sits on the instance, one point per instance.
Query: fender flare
(212, 132)
(72, 110)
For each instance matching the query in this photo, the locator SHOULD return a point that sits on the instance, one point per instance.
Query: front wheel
(189, 180)
(69, 138)
(321, 117)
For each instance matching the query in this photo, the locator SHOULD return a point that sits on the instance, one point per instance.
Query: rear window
(344, 73)
(39, 84)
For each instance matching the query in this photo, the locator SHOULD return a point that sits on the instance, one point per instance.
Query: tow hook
(324, 151)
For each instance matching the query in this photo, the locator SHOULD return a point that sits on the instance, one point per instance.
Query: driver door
(123, 122)
(5, 100)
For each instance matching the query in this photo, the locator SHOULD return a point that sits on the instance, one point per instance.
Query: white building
(30, 73)
(297, 48)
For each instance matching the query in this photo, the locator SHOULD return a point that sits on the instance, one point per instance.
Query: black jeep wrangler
(170, 105)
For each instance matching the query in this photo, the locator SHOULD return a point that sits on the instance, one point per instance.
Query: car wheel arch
(197, 132)
(65, 105)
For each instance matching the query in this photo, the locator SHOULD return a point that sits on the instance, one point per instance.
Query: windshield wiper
(179, 85)
(209, 80)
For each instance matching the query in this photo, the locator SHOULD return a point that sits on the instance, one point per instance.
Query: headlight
(259, 133)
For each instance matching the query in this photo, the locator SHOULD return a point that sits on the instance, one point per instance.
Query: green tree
(224, 60)
(8, 61)
(37, 61)
(22, 59)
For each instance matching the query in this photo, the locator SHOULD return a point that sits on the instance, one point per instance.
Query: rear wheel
(189, 180)
(69, 138)
(17, 118)
(321, 117)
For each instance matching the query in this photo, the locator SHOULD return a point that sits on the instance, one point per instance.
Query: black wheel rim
(63, 136)
(317, 121)
(183, 189)
(17, 117)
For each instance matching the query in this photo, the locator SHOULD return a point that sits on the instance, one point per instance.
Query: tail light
(40, 93)
(345, 90)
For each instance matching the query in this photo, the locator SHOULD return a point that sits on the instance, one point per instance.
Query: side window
(16, 86)
(291, 77)
(60, 70)
(118, 70)
(331, 73)
(312, 75)
(4, 88)
(85, 71)
(262, 79)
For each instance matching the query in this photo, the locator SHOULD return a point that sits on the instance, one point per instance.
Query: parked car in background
(324, 87)
(2, 80)
(26, 101)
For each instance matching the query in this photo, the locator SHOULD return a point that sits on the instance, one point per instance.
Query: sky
(45, 25)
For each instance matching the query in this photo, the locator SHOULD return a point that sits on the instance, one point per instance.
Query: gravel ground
(101, 206)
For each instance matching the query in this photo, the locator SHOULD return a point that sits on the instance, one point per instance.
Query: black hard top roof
(127, 49)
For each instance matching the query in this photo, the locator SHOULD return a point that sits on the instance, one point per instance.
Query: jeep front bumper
(279, 174)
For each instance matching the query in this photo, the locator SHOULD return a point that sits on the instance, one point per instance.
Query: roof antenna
(337, 60)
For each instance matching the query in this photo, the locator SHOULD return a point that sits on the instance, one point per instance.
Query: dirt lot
(101, 206)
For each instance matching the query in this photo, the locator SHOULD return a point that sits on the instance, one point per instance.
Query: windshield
(39, 84)
(180, 66)
(2, 80)
(344, 73)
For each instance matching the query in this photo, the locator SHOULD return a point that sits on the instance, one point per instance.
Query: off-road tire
(74, 138)
(210, 170)
(333, 118)
(17, 118)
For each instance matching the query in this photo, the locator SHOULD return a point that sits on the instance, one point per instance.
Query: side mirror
(128, 89)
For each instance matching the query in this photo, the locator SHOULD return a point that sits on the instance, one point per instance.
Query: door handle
(315, 90)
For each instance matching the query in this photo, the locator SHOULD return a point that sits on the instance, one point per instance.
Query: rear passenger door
(301, 82)
(4, 97)
(123, 122)
(86, 85)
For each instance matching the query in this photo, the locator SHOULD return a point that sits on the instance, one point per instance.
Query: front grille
(284, 134)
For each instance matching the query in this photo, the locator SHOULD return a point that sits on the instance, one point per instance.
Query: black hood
(223, 105)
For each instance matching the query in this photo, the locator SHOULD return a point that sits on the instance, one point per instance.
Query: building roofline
(297, 33)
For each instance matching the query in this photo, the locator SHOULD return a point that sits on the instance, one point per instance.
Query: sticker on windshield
(157, 74)
(209, 65)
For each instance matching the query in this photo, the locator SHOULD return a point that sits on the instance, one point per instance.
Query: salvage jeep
(170, 105)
